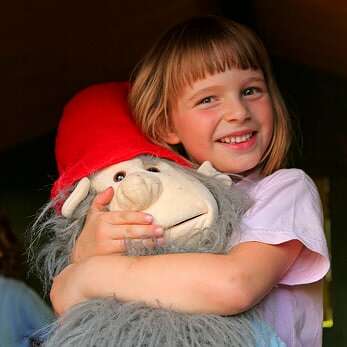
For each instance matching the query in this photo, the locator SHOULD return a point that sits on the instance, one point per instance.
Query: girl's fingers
(100, 203)
(102, 199)
(135, 232)
(127, 218)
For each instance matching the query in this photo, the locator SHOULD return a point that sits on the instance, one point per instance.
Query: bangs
(208, 55)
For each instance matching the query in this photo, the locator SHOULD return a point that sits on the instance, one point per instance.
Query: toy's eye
(153, 169)
(119, 176)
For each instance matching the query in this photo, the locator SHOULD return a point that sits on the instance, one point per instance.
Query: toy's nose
(138, 191)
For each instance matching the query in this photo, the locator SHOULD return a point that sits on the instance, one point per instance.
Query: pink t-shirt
(286, 206)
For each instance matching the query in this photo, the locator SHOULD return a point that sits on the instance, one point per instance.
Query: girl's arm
(209, 283)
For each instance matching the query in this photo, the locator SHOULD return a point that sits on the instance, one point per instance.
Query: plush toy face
(178, 202)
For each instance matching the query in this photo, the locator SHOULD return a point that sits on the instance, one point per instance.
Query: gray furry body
(107, 322)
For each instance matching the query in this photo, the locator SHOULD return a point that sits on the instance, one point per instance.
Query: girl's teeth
(236, 139)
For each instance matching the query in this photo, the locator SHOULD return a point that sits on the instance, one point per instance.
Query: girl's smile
(240, 139)
(226, 118)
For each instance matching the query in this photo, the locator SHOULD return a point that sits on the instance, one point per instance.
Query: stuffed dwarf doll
(99, 146)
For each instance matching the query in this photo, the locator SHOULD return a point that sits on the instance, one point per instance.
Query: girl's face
(226, 118)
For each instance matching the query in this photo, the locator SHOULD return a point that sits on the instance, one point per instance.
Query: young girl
(207, 85)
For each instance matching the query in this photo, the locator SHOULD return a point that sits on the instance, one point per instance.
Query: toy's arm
(209, 283)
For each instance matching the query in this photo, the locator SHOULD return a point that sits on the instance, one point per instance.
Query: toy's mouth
(186, 223)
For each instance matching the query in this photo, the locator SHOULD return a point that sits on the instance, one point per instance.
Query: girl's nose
(235, 110)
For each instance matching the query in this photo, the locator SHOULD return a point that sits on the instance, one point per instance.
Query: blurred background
(51, 49)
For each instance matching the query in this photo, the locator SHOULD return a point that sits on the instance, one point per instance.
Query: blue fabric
(266, 333)
(22, 313)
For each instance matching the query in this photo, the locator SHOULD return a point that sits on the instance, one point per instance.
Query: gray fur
(58, 236)
(108, 322)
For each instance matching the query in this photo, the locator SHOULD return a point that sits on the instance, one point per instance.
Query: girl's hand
(104, 232)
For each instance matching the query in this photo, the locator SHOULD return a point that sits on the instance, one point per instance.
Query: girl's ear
(170, 137)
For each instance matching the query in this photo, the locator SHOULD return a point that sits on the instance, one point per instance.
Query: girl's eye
(250, 91)
(119, 176)
(206, 100)
(153, 169)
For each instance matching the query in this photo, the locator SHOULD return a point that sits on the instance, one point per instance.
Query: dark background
(51, 49)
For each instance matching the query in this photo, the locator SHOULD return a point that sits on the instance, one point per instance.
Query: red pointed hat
(96, 131)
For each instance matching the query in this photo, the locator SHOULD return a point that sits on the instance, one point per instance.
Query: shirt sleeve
(33, 312)
(287, 207)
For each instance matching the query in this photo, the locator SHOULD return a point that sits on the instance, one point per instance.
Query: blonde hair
(188, 52)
